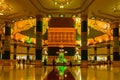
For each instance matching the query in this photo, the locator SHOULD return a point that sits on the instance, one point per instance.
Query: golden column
(6, 54)
(84, 51)
(108, 52)
(0, 43)
(28, 53)
(116, 55)
(95, 54)
(15, 51)
(39, 40)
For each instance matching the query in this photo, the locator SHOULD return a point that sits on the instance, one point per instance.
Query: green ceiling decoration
(94, 33)
(29, 40)
(30, 32)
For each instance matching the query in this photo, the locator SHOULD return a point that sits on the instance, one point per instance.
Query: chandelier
(116, 7)
(4, 7)
(62, 3)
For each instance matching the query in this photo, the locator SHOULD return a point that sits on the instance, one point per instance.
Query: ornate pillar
(28, 50)
(116, 56)
(0, 47)
(1, 41)
(95, 51)
(6, 54)
(39, 40)
(108, 51)
(15, 51)
(84, 51)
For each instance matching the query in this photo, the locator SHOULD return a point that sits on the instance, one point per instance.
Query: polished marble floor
(29, 72)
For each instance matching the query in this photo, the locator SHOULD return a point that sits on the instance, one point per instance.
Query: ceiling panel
(98, 8)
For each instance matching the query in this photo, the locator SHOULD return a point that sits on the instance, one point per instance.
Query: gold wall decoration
(61, 36)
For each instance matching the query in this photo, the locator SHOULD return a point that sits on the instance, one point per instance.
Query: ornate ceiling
(108, 10)
(102, 9)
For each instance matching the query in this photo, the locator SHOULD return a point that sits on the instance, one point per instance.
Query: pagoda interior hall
(59, 40)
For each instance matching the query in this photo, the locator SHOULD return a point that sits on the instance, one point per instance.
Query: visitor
(70, 63)
(45, 62)
(53, 62)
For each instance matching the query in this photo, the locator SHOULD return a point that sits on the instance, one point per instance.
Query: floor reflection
(29, 72)
(60, 73)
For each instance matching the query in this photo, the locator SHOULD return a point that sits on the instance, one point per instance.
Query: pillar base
(13, 62)
(116, 63)
(109, 62)
(95, 63)
(84, 64)
(38, 64)
(6, 62)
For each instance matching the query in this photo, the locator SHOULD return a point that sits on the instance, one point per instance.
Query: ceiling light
(61, 3)
(93, 17)
(49, 15)
(1, 13)
(30, 17)
(61, 15)
(13, 21)
(74, 16)
(4, 7)
(21, 19)
(102, 19)
(61, 6)
(116, 8)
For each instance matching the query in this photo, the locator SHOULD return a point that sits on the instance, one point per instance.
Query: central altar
(61, 58)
